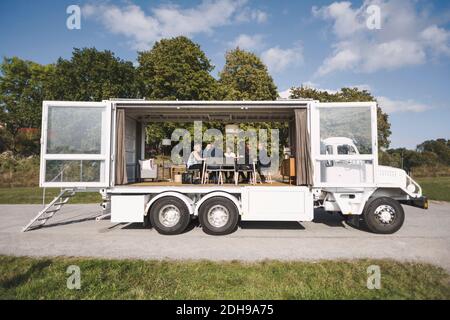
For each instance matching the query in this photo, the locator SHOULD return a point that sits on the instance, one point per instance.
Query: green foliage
(45, 278)
(245, 77)
(429, 154)
(92, 75)
(439, 147)
(18, 171)
(23, 86)
(349, 95)
(176, 69)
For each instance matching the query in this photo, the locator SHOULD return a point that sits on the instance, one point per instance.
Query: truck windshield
(346, 149)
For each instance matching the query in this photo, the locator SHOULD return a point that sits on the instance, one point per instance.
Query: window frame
(104, 156)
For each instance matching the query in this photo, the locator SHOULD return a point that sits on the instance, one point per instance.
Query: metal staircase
(50, 210)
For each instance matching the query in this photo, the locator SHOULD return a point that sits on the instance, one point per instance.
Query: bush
(18, 171)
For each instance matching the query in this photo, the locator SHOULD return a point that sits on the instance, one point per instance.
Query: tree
(348, 95)
(439, 147)
(23, 87)
(92, 75)
(176, 69)
(245, 77)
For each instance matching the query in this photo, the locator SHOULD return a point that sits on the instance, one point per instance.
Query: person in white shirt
(195, 160)
(230, 157)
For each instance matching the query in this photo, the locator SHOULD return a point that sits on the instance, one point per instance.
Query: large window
(73, 130)
(345, 143)
(351, 123)
(76, 146)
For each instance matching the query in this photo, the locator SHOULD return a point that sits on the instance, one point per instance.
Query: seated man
(246, 166)
(263, 161)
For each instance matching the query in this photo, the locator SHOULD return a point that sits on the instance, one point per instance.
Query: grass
(33, 195)
(46, 278)
(435, 188)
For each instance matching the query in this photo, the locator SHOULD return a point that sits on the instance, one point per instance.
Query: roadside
(46, 278)
(435, 188)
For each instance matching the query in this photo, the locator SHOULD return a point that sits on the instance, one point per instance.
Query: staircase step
(43, 216)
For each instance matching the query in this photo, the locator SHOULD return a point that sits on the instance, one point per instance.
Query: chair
(212, 165)
(148, 169)
(249, 169)
(195, 174)
(266, 172)
(230, 166)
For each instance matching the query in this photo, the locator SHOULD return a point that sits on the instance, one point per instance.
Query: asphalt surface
(424, 237)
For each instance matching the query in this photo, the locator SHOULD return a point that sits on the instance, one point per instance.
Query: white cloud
(168, 20)
(346, 20)
(341, 60)
(278, 59)
(437, 38)
(391, 106)
(247, 42)
(285, 94)
(247, 14)
(406, 37)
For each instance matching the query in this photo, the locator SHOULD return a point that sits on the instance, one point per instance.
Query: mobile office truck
(97, 146)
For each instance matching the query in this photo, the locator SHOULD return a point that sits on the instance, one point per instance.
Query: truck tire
(169, 216)
(218, 216)
(384, 215)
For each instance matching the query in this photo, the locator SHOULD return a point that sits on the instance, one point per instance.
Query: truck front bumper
(421, 202)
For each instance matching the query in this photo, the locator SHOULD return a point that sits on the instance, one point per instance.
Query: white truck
(97, 146)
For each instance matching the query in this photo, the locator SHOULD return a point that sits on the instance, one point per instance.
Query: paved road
(425, 236)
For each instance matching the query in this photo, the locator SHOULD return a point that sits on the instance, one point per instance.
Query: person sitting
(195, 160)
(209, 151)
(263, 162)
(247, 166)
(230, 157)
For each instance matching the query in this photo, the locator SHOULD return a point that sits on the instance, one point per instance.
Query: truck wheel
(169, 215)
(384, 215)
(218, 216)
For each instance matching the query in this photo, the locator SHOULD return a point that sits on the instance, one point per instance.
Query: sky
(399, 50)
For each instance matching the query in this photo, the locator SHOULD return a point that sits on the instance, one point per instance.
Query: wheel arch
(187, 201)
(218, 194)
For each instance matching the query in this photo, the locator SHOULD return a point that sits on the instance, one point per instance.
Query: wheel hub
(169, 215)
(218, 216)
(385, 214)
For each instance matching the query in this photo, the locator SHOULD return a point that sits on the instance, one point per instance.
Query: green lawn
(33, 195)
(46, 278)
(435, 188)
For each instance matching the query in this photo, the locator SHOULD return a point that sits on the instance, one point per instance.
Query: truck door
(75, 144)
(344, 144)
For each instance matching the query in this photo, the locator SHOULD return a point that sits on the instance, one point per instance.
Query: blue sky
(323, 44)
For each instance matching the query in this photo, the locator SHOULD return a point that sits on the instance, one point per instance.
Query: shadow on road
(331, 220)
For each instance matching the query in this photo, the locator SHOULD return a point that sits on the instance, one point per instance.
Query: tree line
(173, 69)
